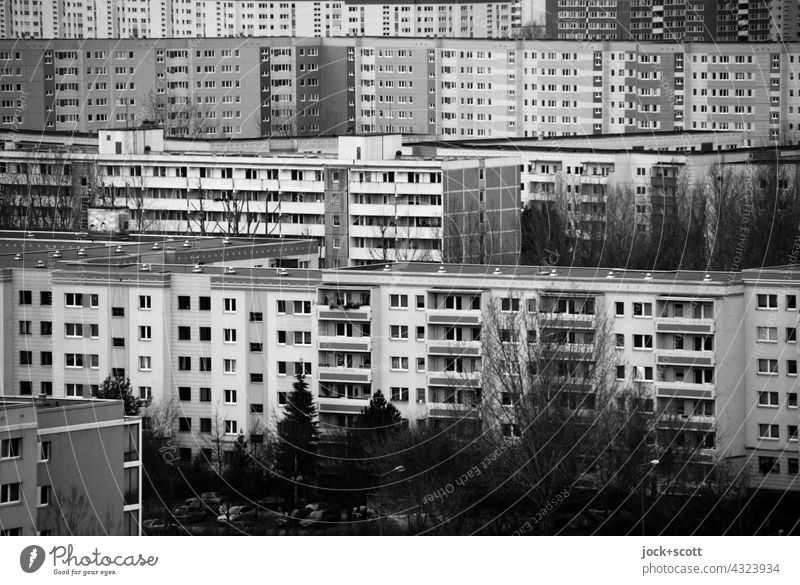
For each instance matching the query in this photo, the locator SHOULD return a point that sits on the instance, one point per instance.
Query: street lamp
(650, 465)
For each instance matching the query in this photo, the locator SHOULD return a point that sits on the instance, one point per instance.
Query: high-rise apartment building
(455, 88)
(68, 466)
(673, 20)
(714, 355)
(154, 19)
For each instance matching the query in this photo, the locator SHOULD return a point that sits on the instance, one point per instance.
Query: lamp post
(650, 465)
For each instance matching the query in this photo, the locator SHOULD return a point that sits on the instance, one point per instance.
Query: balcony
(342, 405)
(344, 375)
(454, 348)
(575, 351)
(686, 358)
(566, 321)
(454, 317)
(343, 343)
(684, 390)
(684, 325)
(452, 410)
(355, 314)
(454, 379)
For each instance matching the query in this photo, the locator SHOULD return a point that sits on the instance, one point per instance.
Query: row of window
(11, 448)
(772, 431)
(772, 399)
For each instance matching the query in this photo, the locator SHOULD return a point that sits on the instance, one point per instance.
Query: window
(791, 335)
(184, 424)
(302, 368)
(145, 333)
(302, 337)
(230, 396)
(229, 305)
(229, 366)
(46, 388)
(281, 307)
(791, 400)
(398, 301)
(768, 367)
(44, 451)
(791, 432)
(44, 495)
(145, 303)
(46, 327)
(25, 297)
(24, 327)
(9, 493)
(205, 303)
(420, 301)
(205, 394)
(184, 303)
(302, 307)
(420, 364)
(792, 467)
(767, 301)
(791, 302)
(204, 364)
(281, 368)
(620, 340)
(642, 341)
(619, 309)
(282, 337)
(73, 300)
(256, 317)
(399, 332)
(73, 330)
(118, 341)
(184, 333)
(767, 334)
(94, 301)
(145, 363)
(509, 304)
(768, 398)
(421, 333)
(26, 358)
(184, 363)
(231, 428)
(642, 309)
(256, 378)
(73, 360)
(117, 311)
(399, 363)
(184, 393)
(620, 372)
(399, 394)
(768, 465)
(45, 298)
(229, 335)
(256, 347)
(205, 425)
(145, 392)
(10, 448)
(768, 432)
(282, 398)
(25, 387)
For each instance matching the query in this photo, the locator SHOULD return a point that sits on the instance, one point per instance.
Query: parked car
(188, 514)
(155, 524)
(211, 500)
(237, 514)
(321, 519)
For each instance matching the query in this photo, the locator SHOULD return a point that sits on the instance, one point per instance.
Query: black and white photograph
(358, 269)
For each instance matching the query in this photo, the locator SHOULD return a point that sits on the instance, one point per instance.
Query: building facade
(368, 203)
(151, 19)
(671, 20)
(714, 355)
(455, 88)
(68, 467)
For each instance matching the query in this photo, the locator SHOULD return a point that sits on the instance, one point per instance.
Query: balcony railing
(454, 317)
(678, 389)
(454, 348)
(684, 325)
(454, 379)
(354, 313)
(683, 357)
(343, 343)
(345, 375)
